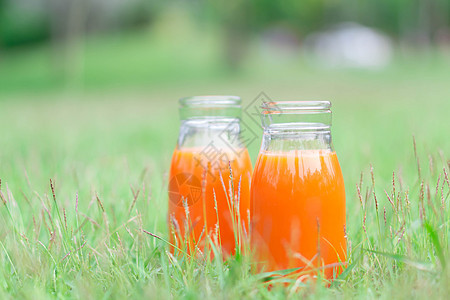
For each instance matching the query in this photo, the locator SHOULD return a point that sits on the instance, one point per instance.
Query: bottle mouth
(290, 116)
(296, 107)
(211, 101)
(210, 107)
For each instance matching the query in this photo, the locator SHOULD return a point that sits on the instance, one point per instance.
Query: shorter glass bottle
(210, 174)
(297, 192)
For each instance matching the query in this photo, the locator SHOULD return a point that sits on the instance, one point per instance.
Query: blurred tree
(416, 21)
(22, 22)
(71, 20)
(25, 22)
(241, 19)
(234, 18)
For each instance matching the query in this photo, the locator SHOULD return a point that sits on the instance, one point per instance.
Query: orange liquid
(298, 212)
(193, 182)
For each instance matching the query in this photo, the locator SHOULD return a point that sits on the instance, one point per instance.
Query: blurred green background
(88, 97)
(83, 79)
(91, 45)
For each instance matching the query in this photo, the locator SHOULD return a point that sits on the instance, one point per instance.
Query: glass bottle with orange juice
(210, 174)
(297, 192)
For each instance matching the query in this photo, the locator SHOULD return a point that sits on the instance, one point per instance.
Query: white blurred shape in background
(350, 45)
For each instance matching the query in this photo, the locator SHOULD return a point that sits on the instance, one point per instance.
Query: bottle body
(298, 201)
(209, 187)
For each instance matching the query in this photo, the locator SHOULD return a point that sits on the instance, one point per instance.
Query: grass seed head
(100, 203)
(52, 186)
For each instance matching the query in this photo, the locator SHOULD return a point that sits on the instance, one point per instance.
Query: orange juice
(194, 183)
(298, 212)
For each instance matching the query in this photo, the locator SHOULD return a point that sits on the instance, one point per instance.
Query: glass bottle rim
(296, 107)
(211, 101)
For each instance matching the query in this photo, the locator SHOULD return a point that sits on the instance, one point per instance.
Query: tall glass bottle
(209, 187)
(297, 192)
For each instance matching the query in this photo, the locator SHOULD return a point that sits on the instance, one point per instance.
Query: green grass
(107, 152)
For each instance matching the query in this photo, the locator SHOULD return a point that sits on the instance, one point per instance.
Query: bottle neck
(200, 132)
(210, 121)
(296, 125)
(308, 136)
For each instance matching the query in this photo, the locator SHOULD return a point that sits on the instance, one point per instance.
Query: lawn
(84, 174)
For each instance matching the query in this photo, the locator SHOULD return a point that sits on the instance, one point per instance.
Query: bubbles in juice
(195, 179)
(298, 212)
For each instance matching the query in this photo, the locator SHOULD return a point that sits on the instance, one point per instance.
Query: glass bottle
(297, 192)
(210, 174)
